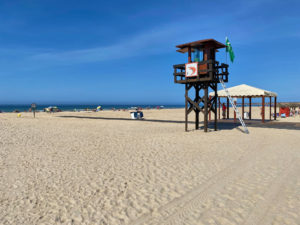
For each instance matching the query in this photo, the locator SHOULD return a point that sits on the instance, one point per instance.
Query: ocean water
(80, 107)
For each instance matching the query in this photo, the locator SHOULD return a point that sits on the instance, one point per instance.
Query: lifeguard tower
(201, 73)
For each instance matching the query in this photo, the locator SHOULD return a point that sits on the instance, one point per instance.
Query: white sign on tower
(191, 69)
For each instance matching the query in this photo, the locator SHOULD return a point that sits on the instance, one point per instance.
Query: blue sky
(122, 52)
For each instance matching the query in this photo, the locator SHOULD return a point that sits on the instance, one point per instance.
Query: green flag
(229, 50)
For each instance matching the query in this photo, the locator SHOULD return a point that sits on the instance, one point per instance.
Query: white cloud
(157, 40)
(152, 41)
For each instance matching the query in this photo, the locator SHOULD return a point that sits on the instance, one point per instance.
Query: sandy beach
(104, 168)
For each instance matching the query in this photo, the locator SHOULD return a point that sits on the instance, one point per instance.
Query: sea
(81, 107)
(84, 107)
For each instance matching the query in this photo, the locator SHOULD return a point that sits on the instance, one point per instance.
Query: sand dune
(103, 168)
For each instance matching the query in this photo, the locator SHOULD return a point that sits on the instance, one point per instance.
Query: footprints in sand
(229, 196)
(59, 171)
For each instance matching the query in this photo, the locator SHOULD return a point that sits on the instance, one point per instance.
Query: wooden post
(33, 108)
(190, 55)
(227, 108)
(196, 111)
(209, 110)
(186, 108)
(243, 108)
(263, 109)
(234, 113)
(219, 108)
(270, 108)
(250, 107)
(275, 107)
(205, 108)
(216, 106)
(186, 92)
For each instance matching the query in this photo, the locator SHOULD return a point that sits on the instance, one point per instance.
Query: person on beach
(293, 112)
(223, 110)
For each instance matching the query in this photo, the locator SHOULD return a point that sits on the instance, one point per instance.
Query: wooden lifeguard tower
(202, 72)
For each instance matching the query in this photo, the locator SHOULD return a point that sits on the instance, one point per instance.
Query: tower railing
(209, 70)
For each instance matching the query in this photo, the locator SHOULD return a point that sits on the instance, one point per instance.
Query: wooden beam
(195, 104)
(190, 109)
(270, 108)
(209, 118)
(234, 113)
(263, 109)
(250, 107)
(219, 108)
(275, 107)
(186, 108)
(205, 108)
(216, 105)
(201, 100)
(211, 103)
(243, 108)
(227, 108)
(190, 54)
(197, 111)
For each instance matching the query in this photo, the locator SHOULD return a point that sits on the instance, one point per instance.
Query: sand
(103, 168)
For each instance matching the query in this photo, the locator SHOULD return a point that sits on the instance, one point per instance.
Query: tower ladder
(233, 105)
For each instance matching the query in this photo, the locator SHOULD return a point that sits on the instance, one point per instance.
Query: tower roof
(200, 45)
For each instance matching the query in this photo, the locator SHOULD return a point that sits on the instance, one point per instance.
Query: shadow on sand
(258, 123)
(222, 124)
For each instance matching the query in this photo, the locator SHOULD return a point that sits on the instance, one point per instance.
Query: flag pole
(226, 51)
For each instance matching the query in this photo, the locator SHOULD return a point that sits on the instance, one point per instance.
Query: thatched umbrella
(292, 105)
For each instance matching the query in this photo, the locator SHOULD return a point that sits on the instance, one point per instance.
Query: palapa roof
(244, 90)
(289, 104)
